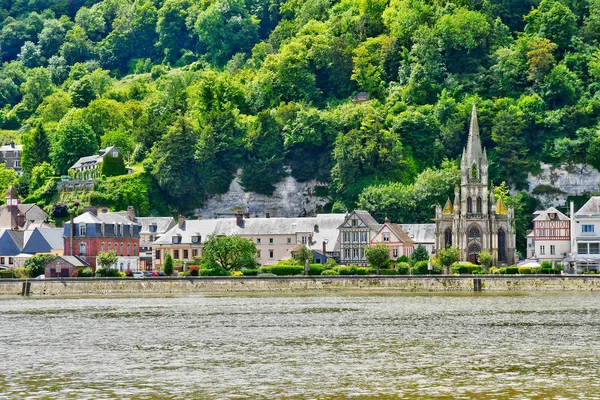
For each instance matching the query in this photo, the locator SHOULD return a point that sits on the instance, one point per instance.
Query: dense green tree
(35, 266)
(378, 256)
(82, 92)
(553, 20)
(72, 140)
(107, 259)
(39, 175)
(448, 256)
(230, 252)
(173, 165)
(36, 148)
(510, 146)
(419, 254)
(226, 28)
(168, 265)
(37, 86)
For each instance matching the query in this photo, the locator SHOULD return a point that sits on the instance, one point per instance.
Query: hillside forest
(196, 92)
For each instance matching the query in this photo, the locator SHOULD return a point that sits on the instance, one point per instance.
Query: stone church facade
(474, 221)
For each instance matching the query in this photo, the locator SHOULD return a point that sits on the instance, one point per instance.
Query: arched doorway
(448, 237)
(474, 243)
(474, 249)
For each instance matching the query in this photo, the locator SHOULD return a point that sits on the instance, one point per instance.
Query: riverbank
(224, 285)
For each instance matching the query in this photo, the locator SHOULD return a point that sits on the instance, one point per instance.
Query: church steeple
(474, 151)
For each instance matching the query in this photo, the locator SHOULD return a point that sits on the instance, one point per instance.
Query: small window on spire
(474, 173)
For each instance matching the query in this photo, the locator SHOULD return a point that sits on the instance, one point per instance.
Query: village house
(356, 233)
(14, 215)
(421, 235)
(90, 167)
(90, 234)
(392, 235)
(585, 236)
(275, 238)
(551, 236)
(64, 266)
(10, 156)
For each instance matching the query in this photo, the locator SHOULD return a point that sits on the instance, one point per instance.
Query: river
(338, 346)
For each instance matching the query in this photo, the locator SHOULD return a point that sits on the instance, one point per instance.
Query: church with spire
(475, 222)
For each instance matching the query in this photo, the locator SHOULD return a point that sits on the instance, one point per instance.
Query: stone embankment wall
(287, 285)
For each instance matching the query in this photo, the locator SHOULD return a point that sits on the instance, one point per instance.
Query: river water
(355, 345)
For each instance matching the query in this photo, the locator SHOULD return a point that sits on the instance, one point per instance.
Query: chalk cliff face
(555, 184)
(290, 199)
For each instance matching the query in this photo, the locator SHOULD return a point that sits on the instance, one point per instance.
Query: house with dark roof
(11, 243)
(421, 234)
(90, 167)
(356, 233)
(394, 237)
(10, 156)
(90, 234)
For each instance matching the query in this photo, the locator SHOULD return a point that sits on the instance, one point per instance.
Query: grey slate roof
(163, 224)
(590, 209)
(420, 233)
(8, 147)
(327, 225)
(43, 240)
(73, 260)
(544, 215)
(107, 218)
(33, 215)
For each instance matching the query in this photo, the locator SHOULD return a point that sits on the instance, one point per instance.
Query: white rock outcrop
(290, 199)
(571, 180)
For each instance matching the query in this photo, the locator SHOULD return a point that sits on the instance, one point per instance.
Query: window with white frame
(271, 240)
(271, 253)
(594, 248)
(355, 254)
(542, 250)
(386, 236)
(346, 237)
(82, 229)
(346, 254)
(355, 237)
(395, 253)
(354, 222)
(552, 249)
(289, 240)
(82, 249)
(582, 248)
(363, 237)
(587, 228)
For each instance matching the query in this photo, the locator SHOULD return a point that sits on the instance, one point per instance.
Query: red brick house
(90, 234)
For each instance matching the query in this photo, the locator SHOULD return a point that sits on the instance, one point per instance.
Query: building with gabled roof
(475, 222)
(89, 167)
(394, 237)
(551, 235)
(356, 232)
(14, 215)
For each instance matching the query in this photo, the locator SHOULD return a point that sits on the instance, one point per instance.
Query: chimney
(239, 218)
(200, 216)
(71, 234)
(325, 248)
(268, 214)
(131, 213)
(12, 144)
(20, 220)
(387, 220)
(180, 220)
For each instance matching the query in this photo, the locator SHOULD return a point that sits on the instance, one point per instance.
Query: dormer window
(82, 229)
(102, 228)
(131, 230)
(316, 228)
(354, 222)
(196, 239)
(115, 154)
(152, 228)
(176, 239)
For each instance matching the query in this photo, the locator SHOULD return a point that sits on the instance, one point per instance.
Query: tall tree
(36, 148)
(73, 139)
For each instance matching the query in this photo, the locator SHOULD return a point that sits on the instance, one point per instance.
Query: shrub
(22, 273)
(420, 268)
(316, 269)
(6, 274)
(388, 271)
(183, 274)
(85, 272)
(194, 270)
(403, 268)
(525, 270)
(249, 272)
(108, 273)
(237, 273)
(546, 264)
(266, 274)
(330, 272)
(512, 270)
(548, 271)
(214, 271)
(354, 270)
(283, 270)
(467, 269)
(129, 273)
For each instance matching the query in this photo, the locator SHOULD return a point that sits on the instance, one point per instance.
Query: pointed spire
(500, 207)
(448, 208)
(474, 151)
